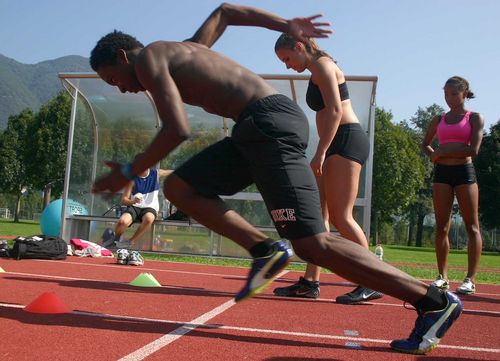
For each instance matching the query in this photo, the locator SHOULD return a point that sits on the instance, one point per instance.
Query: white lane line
(167, 339)
(195, 323)
(163, 341)
(111, 282)
(220, 274)
(11, 305)
(326, 300)
(114, 265)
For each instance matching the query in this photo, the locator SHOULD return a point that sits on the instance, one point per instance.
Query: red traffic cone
(47, 302)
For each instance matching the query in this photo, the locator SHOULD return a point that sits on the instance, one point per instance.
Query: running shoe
(467, 288)
(135, 259)
(264, 270)
(122, 256)
(303, 288)
(430, 327)
(441, 282)
(358, 295)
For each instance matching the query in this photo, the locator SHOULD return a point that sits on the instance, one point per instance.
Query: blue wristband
(126, 171)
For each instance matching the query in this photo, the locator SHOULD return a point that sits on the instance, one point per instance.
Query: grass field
(419, 262)
(23, 228)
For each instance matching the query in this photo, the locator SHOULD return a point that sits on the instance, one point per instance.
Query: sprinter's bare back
(203, 77)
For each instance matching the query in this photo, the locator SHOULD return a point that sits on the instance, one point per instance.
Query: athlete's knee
(123, 222)
(442, 229)
(473, 229)
(148, 219)
(313, 249)
(345, 225)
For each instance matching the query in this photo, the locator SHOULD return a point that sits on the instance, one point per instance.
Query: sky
(413, 47)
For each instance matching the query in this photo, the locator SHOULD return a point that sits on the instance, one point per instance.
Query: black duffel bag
(39, 247)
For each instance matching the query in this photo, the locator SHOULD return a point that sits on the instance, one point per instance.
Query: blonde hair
(287, 41)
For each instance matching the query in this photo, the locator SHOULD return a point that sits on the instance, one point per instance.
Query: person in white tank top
(141, 198)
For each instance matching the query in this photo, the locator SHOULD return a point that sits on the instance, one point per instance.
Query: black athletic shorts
(267, 147)
(137, 213)
(350, 142)
(455, 175)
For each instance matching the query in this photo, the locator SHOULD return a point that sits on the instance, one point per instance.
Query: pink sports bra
(460, 132)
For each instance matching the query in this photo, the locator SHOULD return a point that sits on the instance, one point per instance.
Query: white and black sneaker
(467, 287)
(4, 249)
(358, 295)
(135, 259)
(122, 256)
(441, 282)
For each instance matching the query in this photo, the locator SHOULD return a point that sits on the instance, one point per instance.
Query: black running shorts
(137, 213)
(455, 175)
(350, 142)
(267, 147)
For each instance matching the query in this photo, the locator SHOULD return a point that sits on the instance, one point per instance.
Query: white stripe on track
(163, 341)
(199, 322)
(326, 300)
(216, 274)
(142, 268)
(104, 281)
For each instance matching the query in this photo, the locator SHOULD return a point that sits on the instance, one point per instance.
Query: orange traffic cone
(47, 302)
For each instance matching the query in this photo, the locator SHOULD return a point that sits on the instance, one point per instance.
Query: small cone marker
(145, 280)
(2, 270)
(47, 302)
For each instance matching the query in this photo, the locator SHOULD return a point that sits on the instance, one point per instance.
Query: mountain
(31, 85)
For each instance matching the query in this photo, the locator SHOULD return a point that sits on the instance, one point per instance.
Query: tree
(397, 170)
(200, 139)
(48, 143)
(487, 165)
(15, 177)
(422, 205)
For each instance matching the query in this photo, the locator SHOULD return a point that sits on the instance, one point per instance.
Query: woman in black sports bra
(342, 150)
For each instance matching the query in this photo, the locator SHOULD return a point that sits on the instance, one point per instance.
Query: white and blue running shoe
(430, 327)
(135, 259)
(264, 270)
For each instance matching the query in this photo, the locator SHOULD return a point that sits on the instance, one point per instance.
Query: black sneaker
(358, 295)
(108, 238)
(4, 249)
(303, 288)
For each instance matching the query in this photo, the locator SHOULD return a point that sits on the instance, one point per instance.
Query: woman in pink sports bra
(459, 133)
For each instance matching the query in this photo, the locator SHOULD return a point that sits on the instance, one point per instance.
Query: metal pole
(68, 162)
(211, 243)
(367, 209)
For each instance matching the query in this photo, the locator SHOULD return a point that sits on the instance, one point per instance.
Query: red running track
(193, 317)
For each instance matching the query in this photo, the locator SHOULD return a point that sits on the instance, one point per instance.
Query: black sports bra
(315, 100)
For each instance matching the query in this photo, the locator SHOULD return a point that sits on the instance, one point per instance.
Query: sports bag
(39, 247)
